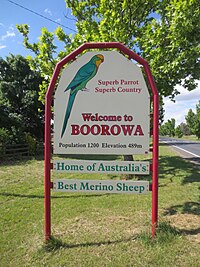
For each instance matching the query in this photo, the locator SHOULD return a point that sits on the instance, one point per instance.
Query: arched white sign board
(110, 111)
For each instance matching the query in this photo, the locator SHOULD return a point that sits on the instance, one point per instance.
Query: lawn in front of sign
(100, 229)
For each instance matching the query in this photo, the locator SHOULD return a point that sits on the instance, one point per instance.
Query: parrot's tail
(68, 112)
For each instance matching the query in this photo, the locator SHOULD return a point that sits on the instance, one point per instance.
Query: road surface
(186, 148)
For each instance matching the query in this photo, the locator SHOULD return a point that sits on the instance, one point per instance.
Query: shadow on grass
(56, 243)
(165, 233)
(19, 161)
(194, 159)
(187, 208)
(53, 197)
(173, 164)
(190, 231)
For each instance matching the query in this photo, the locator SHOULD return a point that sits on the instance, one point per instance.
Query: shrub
(4, 136)
(31, 141)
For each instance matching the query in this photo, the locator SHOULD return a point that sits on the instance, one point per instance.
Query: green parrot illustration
(79, 82)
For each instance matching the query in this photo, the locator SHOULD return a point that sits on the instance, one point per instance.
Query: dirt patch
(105, 227)
(187, 224)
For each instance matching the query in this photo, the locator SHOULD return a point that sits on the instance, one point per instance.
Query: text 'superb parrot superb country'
(79, 82)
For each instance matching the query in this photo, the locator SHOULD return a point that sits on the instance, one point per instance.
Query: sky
(183, 102)
(11, 14)
(11, 41)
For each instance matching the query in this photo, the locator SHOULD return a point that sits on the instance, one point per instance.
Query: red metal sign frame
(48, 185)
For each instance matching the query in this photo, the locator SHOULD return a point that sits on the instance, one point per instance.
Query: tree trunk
(128, 158)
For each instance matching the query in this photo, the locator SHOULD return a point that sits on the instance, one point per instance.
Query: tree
(190, 119)
(163, 32)
(171, 125)
(197, 121)
(163, 130)
(168, 128)
(45, 59)
(178, 131)
(185, 129)
(19, 86)
(193, 120)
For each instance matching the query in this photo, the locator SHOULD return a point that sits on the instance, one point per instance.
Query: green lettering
(74, 167)
(119, 186)
(60, 185)
(144, 168)
(136, 188)
(60, 166)
(137, 169)
(67, 167)
(91, 187)
(81, 168)
(84, 186)
(66, 186)
(141, 189)
(130, 188)
(125, 187)
(71, 186)
(75, 186)
(113, 168)
(101, 167)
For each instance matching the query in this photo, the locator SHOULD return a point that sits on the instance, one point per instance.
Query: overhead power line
(12, 2)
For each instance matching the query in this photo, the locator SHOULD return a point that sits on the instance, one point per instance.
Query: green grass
(190, 137)
(186, 137)
(100, 230)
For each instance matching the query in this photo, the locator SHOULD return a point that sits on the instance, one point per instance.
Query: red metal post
(155, 165)
(47, 157)
(47, 173)
(155, 149)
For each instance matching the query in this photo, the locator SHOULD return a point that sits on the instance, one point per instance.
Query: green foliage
(14, 135)
(4, 136)
(19, 86)
(31, 144)
(190, 119)
(193, 120)
(178, 131)
(170, 43)
(197, 121)
(165, 233)
(168, 128)
(165, 33)
(46, 55)
(161, 111)
(162, 130)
